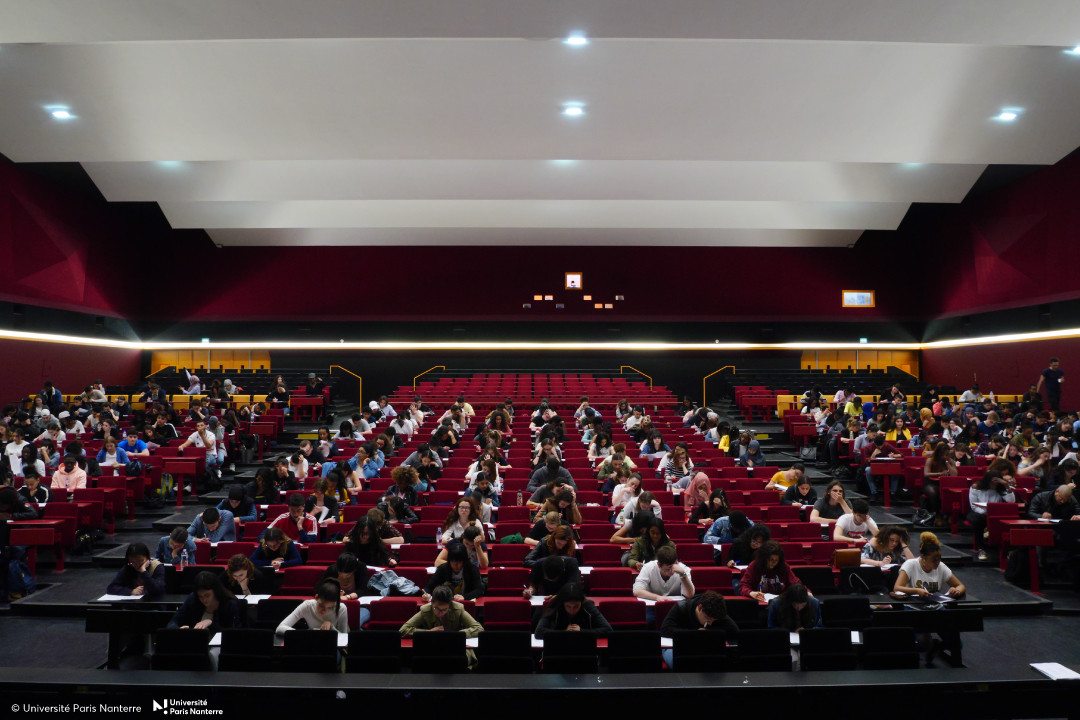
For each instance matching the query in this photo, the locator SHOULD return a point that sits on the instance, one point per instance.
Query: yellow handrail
(434, 367)
(359, 383)
(703, 403)
(623, 367)
(160, 369)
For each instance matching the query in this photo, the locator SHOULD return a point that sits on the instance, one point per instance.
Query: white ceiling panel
(499, 99)
(980, 22)
(711, 122)
(500, 237)
(656, 214)
(538, 179)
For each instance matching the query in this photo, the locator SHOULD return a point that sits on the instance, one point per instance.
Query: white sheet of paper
(118, 598)
(537, 642)
(536, 601)
(1056, 671)
(666, 642)
(1050, 520)
(585, 569)
(368, 599)
(472, 642)
(648, 602)
(254, 599)
(769, 597)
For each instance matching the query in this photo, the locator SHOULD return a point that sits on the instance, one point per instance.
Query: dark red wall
(1005, 369)
(60, 250)
(27, 364)
(480, 283)
(1013, 247)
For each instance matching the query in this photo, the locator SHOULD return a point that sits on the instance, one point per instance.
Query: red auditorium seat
(623, 613)
(610, 581)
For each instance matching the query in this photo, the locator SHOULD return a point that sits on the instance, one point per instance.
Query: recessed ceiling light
(577, 40)
(1074, 51)
(1008, 114)
(573, 110)
(59, 112)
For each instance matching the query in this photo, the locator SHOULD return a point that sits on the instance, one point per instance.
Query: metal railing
(704, 403)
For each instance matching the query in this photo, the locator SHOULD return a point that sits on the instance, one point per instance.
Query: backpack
(1017, 570)
(84, 542)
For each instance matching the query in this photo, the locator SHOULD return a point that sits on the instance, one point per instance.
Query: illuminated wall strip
(637, 346)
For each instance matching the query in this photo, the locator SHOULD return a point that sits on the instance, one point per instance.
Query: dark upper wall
(1013, 247)
(27, 365)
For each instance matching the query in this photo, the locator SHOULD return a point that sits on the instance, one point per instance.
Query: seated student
(645, 501)
(473, 540)
(608, 471)
(444, 614)
(679, 468)
(552, 573)
(992, 488)
(140, 575)
(926, 576)
(746, 544)
(323, 612)
(701, 612)
(857, 525)
(387, 533)
(664, 578)
(878, 449)
(405, 480)
(351, 576)
(239, 504)
(69, 476)
(210, 607)
(32, 490)
(284, 476)
(747, 452)
(346, 431)
(645, 547)
(726, 528)
(364, 542)
(799, 494)
(565, 504)
(1056, 504)
(544, 527)
(559, 542)
(320, 504)
(552, 469)
(630, 531)
(241, 577)
(571, 610)
(696, 495)
(336, 487)
(785, 479)
(545, 492)
(795, 609)
(297, 524)
(276, 551)
(213, 525)
(457, 573)
(171, 548)
(889, 546)
(464, 513)
(832, 506)
(768, 573)
(485, 495)
(132, 446)
(394, 509)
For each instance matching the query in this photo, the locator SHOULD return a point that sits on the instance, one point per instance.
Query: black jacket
(588, 618)
(228, 614)
(473, 584)
(681, 616)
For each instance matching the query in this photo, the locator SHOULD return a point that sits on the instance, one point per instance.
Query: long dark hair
(791, 618)
(571, 592)
(209, 581)
(375, 551)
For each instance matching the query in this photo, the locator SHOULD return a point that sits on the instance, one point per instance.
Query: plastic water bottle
(183, 559)
(519, 498)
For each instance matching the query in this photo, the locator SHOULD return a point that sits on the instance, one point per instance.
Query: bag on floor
(1017, 568)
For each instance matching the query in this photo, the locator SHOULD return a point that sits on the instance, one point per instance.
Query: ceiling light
(1008, 114)
(60, 112)
(577, 40)
(573, 110)
(1074, 51)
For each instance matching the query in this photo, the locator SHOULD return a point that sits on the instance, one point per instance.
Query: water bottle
(183, 559)
(519, 498)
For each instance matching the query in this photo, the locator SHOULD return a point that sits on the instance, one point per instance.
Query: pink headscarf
(690, 497)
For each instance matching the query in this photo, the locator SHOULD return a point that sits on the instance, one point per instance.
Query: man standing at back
(1052, 376)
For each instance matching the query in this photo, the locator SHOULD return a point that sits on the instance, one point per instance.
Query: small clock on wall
(573, 281)
(859, 298)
